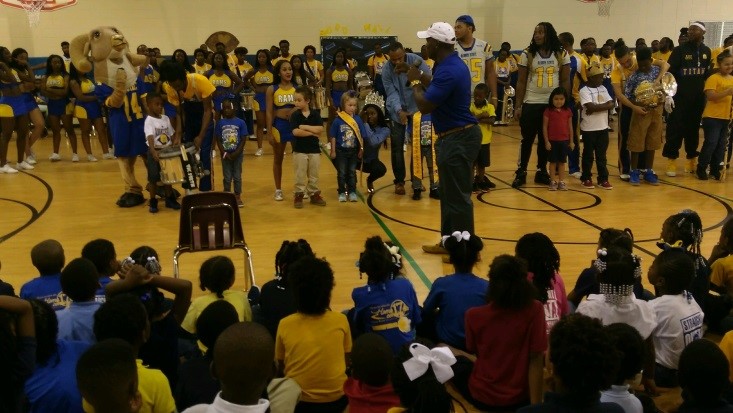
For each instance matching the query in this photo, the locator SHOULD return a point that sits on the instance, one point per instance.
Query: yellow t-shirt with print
(377, 63)
(154, 390)
(718, 109)
(313, 349)
(486, 129)
(198, 86)
(236, 298)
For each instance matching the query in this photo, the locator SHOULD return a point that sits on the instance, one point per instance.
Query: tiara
(374, 98)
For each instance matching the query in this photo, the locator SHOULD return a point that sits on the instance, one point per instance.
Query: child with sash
(347, 145)
(421, 134)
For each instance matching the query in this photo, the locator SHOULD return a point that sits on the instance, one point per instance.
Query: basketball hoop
(33, 10)
(604, 6)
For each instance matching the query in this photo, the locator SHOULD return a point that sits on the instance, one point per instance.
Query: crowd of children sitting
(80, 339)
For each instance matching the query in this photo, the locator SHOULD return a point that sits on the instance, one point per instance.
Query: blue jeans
(232, 171)
(456, 154)
(346, 160)
(713, 147)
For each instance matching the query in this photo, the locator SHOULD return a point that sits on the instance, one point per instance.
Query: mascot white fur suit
(119, 88)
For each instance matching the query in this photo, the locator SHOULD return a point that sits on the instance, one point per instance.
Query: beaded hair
(613, 293)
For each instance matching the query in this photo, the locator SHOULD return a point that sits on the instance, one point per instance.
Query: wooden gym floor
(75, 203)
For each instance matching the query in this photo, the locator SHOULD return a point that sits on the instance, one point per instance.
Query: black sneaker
(476, 187)
(416, 195)
(171, 203)
(520, 178)
(434, 193)
(488, 183)
(153, 206)
(542, 177)
(702, 174)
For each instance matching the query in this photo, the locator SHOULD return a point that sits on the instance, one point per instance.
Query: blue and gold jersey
(264, 78)
(55, 82)
(340, 75)
(283, 98)
(131, 107)
(223, 81)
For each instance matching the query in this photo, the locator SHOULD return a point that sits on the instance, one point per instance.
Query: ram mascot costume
(104, 50)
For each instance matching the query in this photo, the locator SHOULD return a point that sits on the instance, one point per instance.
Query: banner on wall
(360, 48)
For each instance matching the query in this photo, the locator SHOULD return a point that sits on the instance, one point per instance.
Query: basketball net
(604, 7)
(33, 10)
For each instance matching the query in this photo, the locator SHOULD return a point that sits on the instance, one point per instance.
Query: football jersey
(475, 58)
(543, 75)
(377, 62)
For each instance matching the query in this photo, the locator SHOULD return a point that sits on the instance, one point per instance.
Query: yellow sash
(349, 120)
(416, 153)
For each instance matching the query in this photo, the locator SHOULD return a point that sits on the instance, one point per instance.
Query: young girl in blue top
(387, 305)
(377, 133)
(452, 295)
(346, 135)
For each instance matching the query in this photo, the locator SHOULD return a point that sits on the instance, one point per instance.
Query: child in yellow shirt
(485, 113)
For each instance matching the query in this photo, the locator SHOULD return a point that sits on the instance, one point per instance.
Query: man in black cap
(690, 65)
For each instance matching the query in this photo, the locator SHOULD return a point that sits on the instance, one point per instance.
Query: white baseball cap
(440, 31)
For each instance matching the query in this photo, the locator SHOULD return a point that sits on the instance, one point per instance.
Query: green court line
(405, 254)
(403, 251)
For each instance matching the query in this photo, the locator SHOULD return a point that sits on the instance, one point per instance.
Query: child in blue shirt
(79, 282)
(48, 257)
(346, 134)
(231, 133)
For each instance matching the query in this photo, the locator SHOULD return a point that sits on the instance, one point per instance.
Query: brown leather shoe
(317, 199)
(399, 189)
(434, 249)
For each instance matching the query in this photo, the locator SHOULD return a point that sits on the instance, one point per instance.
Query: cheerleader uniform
(87, 110)
(338, 76)
(282, 99)
(261, 79)
(223, 85)
(57, 107)
(12, 106)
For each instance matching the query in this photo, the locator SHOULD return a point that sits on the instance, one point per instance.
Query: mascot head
(104, 50)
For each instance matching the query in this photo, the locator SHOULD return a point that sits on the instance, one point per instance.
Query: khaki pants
(645, 132)
(127, 170)
(306, 172)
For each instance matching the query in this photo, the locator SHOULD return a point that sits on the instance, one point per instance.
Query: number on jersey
(545, 73)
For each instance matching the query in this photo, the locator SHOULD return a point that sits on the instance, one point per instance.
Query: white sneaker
(278, 195)
(576, 175)
(7, 169)
(259, 152)
(74, 158)
(91, 158)
(54, 157)
(31, 159)
(24, 165)
(108, 156)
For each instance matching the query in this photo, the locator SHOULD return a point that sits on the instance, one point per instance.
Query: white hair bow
(439, 358)
(458, 235)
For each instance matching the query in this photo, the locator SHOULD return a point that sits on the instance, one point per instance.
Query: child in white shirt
(595, 102)
(159, 134)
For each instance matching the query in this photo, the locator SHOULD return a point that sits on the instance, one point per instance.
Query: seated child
(101, 253)
(108, 377)
(588, 279)
(486, 115)
(53, 387)
(543, 264)
(242, 347)
(387, 306)
(313, 344)
(426, 392)
(231, 134)
(276, 298)
(703, 374)
(451, 296)
(217, 277)
(630, 345)
(584, 362)
(79, 281)
(421, 135)
(645, 131)
(143, 280)
(678, 315)
(195, 384)
(48, 257)
(369, 388)
(124, 317)
(17, 335)
(159, 134)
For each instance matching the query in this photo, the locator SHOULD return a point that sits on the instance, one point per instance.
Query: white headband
(439, 358)
(458, 235)
(698, 24)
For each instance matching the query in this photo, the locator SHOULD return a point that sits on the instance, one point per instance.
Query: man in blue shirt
(48, 257)
(447, 98)
(400, 105)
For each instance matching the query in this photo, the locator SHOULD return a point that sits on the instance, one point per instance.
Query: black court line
(35, 214)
